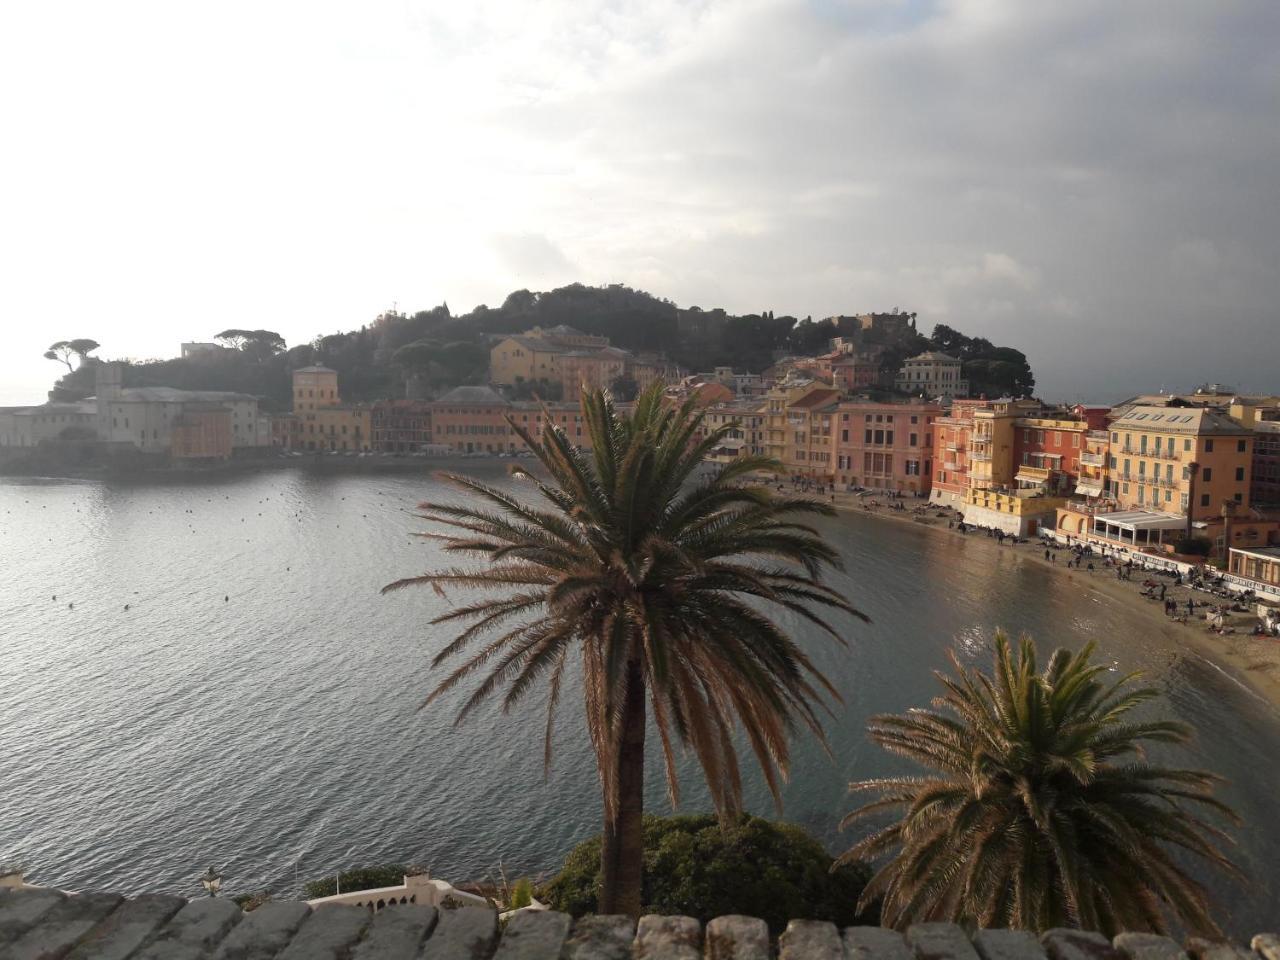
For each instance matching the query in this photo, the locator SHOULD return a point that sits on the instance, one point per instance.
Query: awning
(1089, 488)
(1141, 520)
(1033, 478)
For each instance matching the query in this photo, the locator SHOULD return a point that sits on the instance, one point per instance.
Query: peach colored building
(202, 431)
(885, 446)
(474, 420)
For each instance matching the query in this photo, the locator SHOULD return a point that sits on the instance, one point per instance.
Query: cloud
(1056, 176)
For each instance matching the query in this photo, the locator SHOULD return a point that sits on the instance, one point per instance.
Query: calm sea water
(255, 707)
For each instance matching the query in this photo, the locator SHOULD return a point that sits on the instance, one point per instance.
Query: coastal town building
(748, 420)
(320, 421)
(47, 423)
(566, 356)
(473, 419)
(144, 418)
(885, 446)
(1259, 566)
(800, 427)
(400, 426)
(951, 435)
(932, 374)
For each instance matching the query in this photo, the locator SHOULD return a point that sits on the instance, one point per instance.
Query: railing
(1094, 459)
(1098, 435)
(979, 455)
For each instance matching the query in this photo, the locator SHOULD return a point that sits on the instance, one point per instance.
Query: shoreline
(1251, 661)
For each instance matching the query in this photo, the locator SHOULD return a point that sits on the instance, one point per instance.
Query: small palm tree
(1040, 809)
(657, 583)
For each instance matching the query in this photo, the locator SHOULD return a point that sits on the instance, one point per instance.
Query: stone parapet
(37, 923)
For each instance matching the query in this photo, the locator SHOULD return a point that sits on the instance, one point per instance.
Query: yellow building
(800, 431)
(1180, 459)
(991, 460)
(525, 358)
(321, 421)
(1020, 513)
(746, 438)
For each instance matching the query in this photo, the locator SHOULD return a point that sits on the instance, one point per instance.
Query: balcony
(1166, 454)
(1094, 459)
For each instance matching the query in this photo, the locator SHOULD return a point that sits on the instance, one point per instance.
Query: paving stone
(467, 933)
(127, 928)
(1008, 945)
(20, 909)
(667, 938)
(874, 943)
(396, 932)
(59, 929)
(264, 932)
(603, 937)
(1064, 944)
(1149, 946)
(810, 940)
(194, 930)
(329, 933)
(737, 938)
(1267, 945)
(940, 941)
(534, 935)
(1202, 949)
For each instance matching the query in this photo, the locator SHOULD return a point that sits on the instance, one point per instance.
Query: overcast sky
(1097, 183)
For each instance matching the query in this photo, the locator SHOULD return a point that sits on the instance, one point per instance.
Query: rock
(462, 934)
(328, 933)
(194, 930)
(1008, 945)
(1064, 944)
(127, 928)
(810, 940)
(62, 927)
(737, 938)
(1202, 949)
(874, 943)
(668, 938)
(396, 932)
(606, 937)
(534, 935)
(1267, 945)
(1148, 946)
(263, 933)
(940, 941)
(22, 907)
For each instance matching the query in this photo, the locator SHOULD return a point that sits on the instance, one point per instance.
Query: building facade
(885, 446)
(400, 426)
(932, 374)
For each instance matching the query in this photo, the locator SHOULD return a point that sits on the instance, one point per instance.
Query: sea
(201, 671)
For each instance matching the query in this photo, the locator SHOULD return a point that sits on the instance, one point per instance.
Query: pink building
(885, 446)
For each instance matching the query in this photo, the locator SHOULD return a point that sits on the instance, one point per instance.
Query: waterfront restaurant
(1139, 528)
(1260, 564)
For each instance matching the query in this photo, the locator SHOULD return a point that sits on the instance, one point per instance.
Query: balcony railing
(980, 455)
(1093, 459)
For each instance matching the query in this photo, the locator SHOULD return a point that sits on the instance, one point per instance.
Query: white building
(32, 426)
(932, 374)
(143, 417)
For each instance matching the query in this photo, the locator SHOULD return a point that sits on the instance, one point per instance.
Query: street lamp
(212, 881)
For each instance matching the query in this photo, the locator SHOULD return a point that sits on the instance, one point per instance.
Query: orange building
(201, 432)
(474, 420)
(320, 420)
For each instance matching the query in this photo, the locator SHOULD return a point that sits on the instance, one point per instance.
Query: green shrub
(695, 867)
(521, 894)
(362, 878)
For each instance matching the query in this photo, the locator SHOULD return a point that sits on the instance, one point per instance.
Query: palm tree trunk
(622, 853)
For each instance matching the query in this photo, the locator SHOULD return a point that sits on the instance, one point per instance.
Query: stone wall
(38, 923)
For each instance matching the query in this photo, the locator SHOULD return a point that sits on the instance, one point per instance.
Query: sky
(1096, 183)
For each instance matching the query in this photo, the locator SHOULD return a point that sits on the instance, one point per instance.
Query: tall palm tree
(1040, 808)
(658, 583)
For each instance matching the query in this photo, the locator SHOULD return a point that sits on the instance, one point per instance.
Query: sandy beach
(1252, 660)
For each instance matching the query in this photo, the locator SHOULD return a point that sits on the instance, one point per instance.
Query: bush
(695, 867)
(521, 894)
(362, 878)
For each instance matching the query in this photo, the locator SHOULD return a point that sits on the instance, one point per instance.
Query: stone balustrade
(42, 924)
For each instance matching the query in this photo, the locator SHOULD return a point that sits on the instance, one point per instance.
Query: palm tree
(657, 583)
(1040, 809)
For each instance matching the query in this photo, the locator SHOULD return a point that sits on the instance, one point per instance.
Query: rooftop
(37, 922)
(174, 395)
(473, 395)
(933, 356)
(315, 370)
(1190, 420)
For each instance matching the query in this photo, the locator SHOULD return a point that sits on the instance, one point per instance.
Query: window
(915, 419)
(1186, 444)
(1240, 446)
(1204, 499)
(844, 436)
(868, 440)
(1238, 498)
(1206, 474)
(888, 436)
(1208, 446)
(1239, 473)
(912, 437)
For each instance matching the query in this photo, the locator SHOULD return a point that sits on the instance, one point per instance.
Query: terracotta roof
(818, 398)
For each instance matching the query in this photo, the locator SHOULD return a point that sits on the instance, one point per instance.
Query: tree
(700, 867)
(1041, 809)
(64, 350)
(657, 581)
(234, 338)
(624, 389)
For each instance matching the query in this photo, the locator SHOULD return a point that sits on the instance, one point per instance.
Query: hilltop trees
(1040, 807)
(63, 350)
(656, 582)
